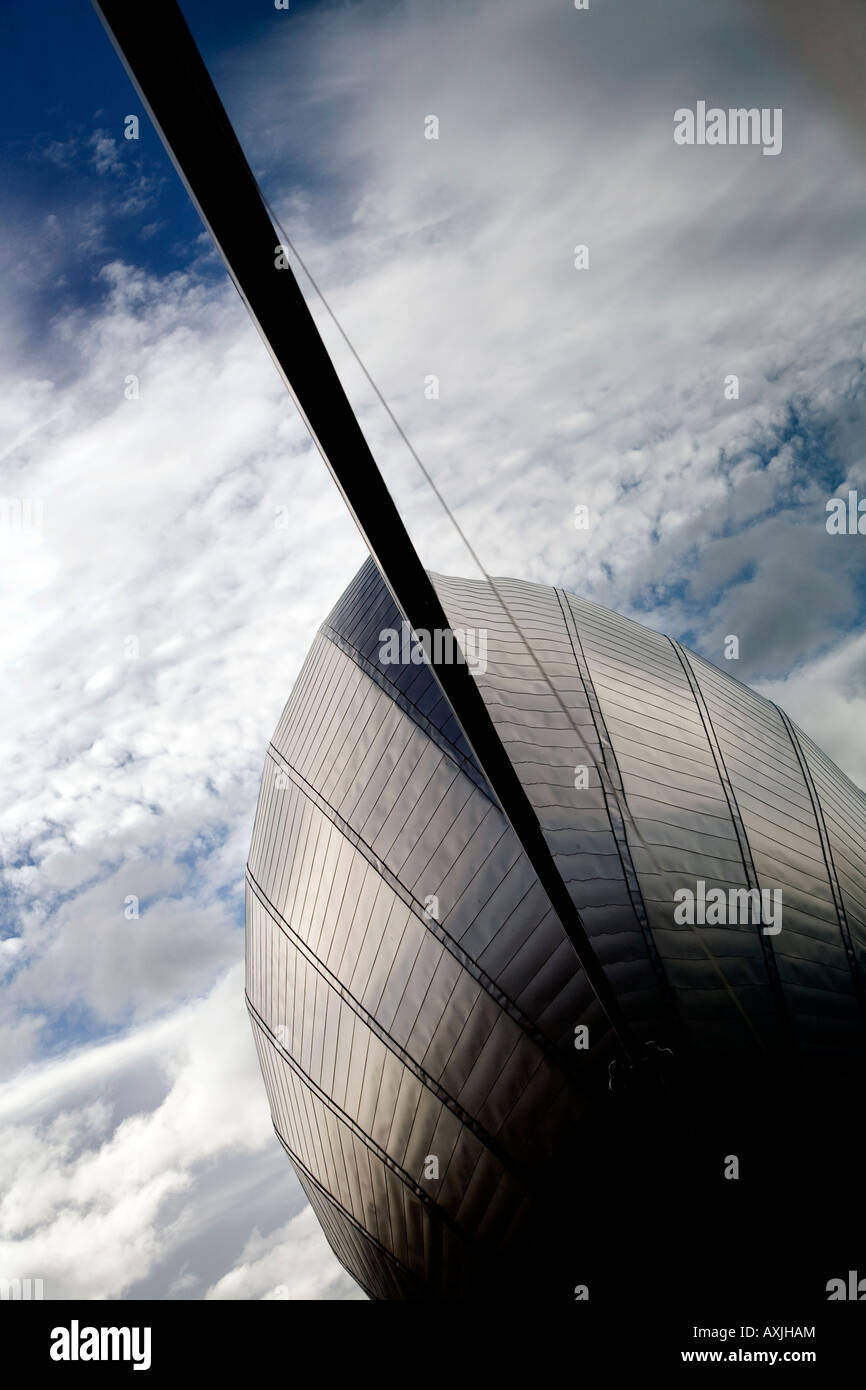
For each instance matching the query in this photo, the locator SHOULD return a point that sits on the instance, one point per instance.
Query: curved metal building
(437, 1065)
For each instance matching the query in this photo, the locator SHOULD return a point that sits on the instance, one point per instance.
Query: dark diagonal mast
(174, 86)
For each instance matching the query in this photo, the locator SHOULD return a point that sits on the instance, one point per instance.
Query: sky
(177, 539)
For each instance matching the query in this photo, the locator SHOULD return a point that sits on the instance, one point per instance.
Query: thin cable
(635, 829)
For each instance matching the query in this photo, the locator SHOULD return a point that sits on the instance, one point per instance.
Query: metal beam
(164, 64)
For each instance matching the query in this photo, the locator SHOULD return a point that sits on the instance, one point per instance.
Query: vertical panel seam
(830, 865)
(749, 869)
(610, 778)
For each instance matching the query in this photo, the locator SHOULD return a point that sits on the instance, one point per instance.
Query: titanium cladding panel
(414, 1000)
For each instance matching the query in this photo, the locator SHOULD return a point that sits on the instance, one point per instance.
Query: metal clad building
(414, 999)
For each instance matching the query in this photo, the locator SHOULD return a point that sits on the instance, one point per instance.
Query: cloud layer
(190, 541)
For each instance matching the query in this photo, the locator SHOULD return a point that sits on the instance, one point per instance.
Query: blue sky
(49, 120)
(123, 1041)
(50, 157)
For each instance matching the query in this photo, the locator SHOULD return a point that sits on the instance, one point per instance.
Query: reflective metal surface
(415, 1001)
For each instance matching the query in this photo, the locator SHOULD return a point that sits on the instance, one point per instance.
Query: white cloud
(133, 1157)
(825, 697)
(142, 761)
(288, 1265)
(133, 769)
(603, 387)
